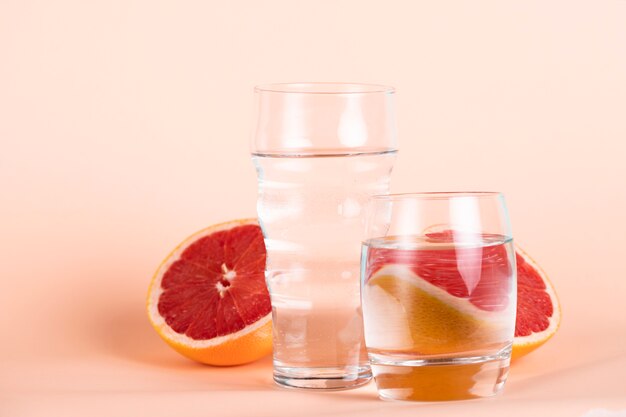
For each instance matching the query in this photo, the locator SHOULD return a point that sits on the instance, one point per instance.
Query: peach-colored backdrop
(124, 127)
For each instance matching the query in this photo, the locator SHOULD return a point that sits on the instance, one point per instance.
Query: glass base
(326, 379)
(442, 379)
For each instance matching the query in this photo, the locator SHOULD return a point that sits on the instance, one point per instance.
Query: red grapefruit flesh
(488, 265)
(538, 309)
(209, 300)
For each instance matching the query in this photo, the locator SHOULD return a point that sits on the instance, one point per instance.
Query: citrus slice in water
(455, 300)
(408, 314)
(208, 299)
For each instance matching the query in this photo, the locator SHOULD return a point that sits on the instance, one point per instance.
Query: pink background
(124, 127)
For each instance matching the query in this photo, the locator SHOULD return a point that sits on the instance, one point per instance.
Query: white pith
(156, 291)
(227, 275)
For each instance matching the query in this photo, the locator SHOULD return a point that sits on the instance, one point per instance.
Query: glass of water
(320, 150)
(438, 281)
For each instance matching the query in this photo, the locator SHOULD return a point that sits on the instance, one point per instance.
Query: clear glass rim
(438, 195)
(336, 88)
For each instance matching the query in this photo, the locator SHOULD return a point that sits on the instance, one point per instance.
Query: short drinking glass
(438, 287)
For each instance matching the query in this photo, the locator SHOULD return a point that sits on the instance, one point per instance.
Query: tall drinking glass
(320, 150)
(439, 294)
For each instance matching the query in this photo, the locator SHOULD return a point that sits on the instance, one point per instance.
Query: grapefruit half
(208, 299)
(538, 308)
